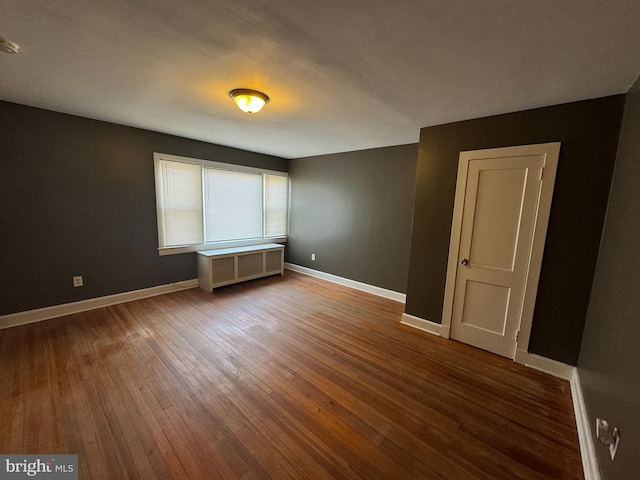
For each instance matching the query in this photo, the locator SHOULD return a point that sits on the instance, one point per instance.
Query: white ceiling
(342, 74)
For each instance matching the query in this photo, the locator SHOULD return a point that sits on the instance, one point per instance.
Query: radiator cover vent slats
(232, 265)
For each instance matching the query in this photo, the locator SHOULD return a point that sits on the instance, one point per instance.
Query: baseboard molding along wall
(47, 313)
(364, 287)
(421, 324)
(570, 373)
(551, 367)
(536, 362)
(587, 448)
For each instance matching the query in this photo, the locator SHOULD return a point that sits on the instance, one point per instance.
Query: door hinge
(517, 335)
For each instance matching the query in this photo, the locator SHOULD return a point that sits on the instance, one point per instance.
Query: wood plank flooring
(285, 378)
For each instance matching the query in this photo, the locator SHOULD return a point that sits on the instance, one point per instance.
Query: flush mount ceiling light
(250, 101)
(8, 46)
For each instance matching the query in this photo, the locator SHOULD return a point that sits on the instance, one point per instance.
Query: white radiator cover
(217, 268)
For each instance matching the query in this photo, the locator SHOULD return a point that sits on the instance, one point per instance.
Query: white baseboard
(421, 324)
(381, 292)
(587, 449)
(570, 373)
(552, 367)
(445, 331)
(521, 356)
(537, 362)
(40, 314)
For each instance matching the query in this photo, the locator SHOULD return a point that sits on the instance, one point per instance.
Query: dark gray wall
(589, 132)
(353, 210)
(78, 198)
(609, 364)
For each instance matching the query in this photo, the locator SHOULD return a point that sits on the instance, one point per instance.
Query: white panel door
(499, 212)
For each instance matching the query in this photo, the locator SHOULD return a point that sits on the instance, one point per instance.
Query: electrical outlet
(313, 257)
(608, 435)
(77, 281)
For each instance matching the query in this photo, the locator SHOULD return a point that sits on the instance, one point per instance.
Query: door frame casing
(551, 151)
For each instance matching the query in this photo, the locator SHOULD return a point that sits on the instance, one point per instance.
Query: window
(203, 205)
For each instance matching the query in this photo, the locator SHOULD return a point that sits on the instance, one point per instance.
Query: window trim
(173, 250)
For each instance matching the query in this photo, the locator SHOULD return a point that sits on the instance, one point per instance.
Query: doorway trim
(551, 153)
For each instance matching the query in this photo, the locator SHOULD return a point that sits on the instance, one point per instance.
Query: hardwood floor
(284, 377)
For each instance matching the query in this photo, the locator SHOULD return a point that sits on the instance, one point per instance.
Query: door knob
(465, 261)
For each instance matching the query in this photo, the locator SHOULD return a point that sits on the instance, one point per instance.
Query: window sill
(162, 251)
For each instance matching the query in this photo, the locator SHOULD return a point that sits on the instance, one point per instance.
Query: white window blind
(233, 205)
(275, 205)
(181, 203)
(203, 205)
